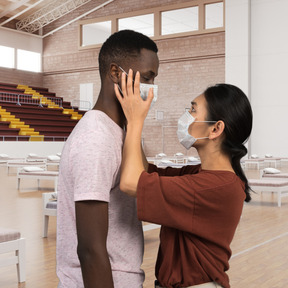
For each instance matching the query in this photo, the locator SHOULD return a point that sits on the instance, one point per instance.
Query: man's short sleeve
(93, 167)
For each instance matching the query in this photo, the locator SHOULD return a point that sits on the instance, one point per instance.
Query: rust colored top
(199, 211)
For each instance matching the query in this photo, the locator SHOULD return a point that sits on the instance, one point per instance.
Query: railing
(81, 105)
(28, 138)
(20, 99)
(56, 101)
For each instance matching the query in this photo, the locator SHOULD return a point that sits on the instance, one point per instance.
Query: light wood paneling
(259, 247)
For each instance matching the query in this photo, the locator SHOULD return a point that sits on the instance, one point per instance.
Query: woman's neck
(214, 160)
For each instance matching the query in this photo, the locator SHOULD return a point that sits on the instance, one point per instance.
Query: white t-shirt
(90, 170)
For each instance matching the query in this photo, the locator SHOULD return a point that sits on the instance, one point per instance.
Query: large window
(95, 33)
(29, 61)
(179, 21)
(7, 57)
(213, 15)
(143, 24)
(193, 17)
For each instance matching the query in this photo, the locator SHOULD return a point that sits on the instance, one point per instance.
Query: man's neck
(112, 109)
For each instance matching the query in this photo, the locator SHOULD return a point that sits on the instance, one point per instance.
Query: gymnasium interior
(49, 79)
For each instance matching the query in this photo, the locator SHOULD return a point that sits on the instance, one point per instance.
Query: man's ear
(114, 73)
(217, 129)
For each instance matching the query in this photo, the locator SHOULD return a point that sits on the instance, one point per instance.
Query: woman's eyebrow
(193, 103)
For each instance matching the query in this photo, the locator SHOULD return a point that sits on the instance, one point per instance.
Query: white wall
(261, 69)
(237, 44)
(22, 149)
(20, 40)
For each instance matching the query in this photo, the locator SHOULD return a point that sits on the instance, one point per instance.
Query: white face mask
(144, 90)
(184, 137)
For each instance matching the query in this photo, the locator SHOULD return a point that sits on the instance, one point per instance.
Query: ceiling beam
(79, 17)
(21, 12)
(49, 13)
(13, 6)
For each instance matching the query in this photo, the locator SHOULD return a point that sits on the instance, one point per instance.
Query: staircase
(25, 130)
(35, 113)
(50, 104)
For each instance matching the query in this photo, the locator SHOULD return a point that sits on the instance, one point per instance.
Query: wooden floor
(260, 246)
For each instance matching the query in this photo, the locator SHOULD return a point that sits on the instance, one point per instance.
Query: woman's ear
(217, 129)
(115, 73)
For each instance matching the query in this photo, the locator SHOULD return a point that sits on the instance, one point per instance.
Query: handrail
(27, 138)
(81, 105)
(19, 99)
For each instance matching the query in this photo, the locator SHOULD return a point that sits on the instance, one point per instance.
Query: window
(179, 21)
(29, 61)
(7, 58)
(213, 15)
(95, 33)
(190, 18)
(143, 24)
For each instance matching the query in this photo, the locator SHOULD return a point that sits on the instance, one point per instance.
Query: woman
(199, 207)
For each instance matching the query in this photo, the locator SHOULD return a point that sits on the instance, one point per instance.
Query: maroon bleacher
(8, 85)
(45, 92)
(50, 122)
(11, 132)
(5, 130)
(11, 89)
(47, 121)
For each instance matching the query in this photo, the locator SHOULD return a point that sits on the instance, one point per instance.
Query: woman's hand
(134, 107)
(135, 110)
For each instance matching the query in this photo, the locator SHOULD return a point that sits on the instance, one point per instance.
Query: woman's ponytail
(237, 152)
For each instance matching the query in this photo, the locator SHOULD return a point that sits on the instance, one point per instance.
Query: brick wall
(187, 66)
(179, 83)
(15, 76)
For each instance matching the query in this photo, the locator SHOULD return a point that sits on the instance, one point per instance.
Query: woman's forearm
(132, 162)
(144, 159)
(135, 110)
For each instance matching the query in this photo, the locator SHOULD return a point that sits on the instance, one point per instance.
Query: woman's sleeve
(174, 208)
(170, 171)
(197, 204)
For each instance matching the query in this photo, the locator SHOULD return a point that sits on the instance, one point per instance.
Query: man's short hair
(121, 46)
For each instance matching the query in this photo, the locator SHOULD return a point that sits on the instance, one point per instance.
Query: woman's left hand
(134, 107)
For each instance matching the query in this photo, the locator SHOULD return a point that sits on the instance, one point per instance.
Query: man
(99, 238)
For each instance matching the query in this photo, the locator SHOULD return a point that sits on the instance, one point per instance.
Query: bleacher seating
(35, 111)
(8, 85)
(6, 130)
(46, 93)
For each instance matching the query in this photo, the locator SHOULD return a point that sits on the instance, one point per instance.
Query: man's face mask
(184, 137)
(144, 89)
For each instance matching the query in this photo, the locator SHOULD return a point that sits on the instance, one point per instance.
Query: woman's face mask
(144, 89)
(184, 137)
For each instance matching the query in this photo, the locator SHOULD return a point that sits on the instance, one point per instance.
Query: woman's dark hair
(121, 46)
(228, 103)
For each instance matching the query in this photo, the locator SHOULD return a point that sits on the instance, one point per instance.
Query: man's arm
(92, 229)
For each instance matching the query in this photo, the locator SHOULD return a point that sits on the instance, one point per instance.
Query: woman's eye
(192, 109)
